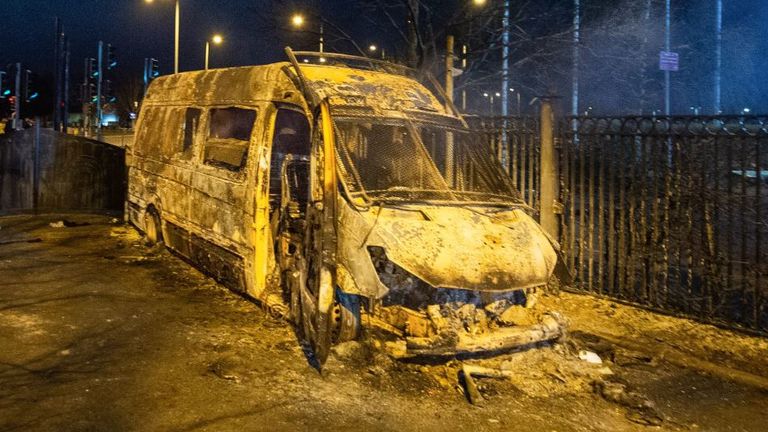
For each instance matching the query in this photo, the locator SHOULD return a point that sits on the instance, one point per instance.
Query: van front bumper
(551, 327)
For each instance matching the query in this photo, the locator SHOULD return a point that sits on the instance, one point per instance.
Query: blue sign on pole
(669, 61)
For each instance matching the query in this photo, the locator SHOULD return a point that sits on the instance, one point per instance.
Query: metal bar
(743, 267)
(573, 203)
(582, 208)
(644, 252)
(591, 221)
(631, 222)
(759, 261)
(654, 233)
(610, 162)
(600, 213)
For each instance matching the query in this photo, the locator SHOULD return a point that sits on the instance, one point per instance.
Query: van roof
(374, 90)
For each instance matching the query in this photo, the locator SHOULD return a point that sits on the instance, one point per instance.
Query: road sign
(669, 61)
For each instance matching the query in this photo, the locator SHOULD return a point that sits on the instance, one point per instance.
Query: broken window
(291, 136)
(229, 137)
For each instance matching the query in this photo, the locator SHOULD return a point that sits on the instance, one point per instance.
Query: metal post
(322, 36)
(464, 69)
(505, 82)
(146, 74)
(36, 167)
(57, 76)
(548, 173)
(99, 81)
(718, 54)
(667, 83)
(449, 100)
(17, 103)
(65, 99)
(576, 58)
(176, 41)
(207, 53)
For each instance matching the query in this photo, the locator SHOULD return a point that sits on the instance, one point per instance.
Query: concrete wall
(46, 171)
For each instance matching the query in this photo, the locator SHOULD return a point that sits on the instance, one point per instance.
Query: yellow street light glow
(479, 2)
(372, 48)
(217, 39)
(297, 20)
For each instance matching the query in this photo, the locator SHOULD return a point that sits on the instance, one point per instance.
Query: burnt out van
(344, 192)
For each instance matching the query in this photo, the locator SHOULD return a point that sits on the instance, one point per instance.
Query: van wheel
(152, 226)
(346, 317)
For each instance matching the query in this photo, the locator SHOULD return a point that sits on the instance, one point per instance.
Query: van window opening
(391, 159)
(229, 137)
(290, 137)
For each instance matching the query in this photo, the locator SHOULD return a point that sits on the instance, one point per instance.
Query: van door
(220, 187)
(313, 282)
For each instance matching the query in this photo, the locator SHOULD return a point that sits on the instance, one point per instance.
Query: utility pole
(576, 58)
(175, 45)
(505, 82)
(65, 99)
(17, 103)
(718, 54)
(322, 36)
(667, 48)
(99, 81)
(464, 50)
(448, 103)
(57, 54)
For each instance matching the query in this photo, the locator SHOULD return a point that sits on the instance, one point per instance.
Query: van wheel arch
(153, 225)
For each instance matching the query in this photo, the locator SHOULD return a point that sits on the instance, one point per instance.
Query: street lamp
(217, 40)
(176, 38)
(298, 22)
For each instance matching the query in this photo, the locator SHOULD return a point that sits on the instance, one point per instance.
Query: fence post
(548, 171)
(36, 167)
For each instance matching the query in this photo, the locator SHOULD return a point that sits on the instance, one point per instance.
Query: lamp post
(217, 40)
(298, 21)
(176, 37)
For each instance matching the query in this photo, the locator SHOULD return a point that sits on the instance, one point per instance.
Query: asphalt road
(100, 333)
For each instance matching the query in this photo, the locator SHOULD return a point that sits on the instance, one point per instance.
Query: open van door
(312, 279)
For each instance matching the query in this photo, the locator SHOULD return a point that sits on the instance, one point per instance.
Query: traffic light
(154, 69)
(91, 70)
(111, 58)
(5, 86)
(109, 92)
(90, 93)
(29, 90)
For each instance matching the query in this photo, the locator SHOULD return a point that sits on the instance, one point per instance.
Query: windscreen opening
(400, 160)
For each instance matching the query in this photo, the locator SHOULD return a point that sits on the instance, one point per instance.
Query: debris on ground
(590, 357)
(63, 223)
(641, 409)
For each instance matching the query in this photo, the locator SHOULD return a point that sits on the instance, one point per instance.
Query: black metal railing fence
(668, 213)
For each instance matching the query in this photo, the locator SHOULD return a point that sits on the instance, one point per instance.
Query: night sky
(139, 30)
(253, 35)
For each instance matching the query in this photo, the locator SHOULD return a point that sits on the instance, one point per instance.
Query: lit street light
(217, 40)
(298, 22)
(176, 38)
